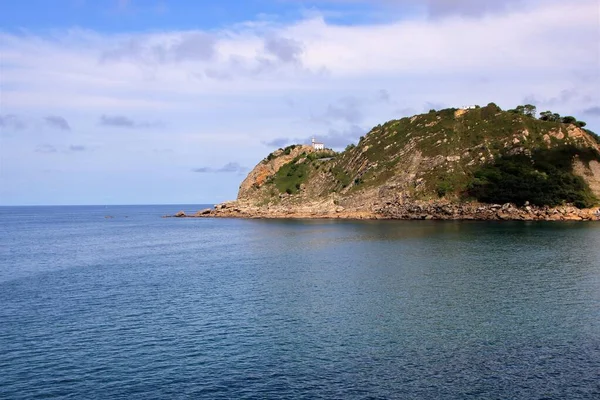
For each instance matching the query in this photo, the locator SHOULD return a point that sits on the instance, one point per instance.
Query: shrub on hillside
(289, 149)
(545, 179)
(490, 110)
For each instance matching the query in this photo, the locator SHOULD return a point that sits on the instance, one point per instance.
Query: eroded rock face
(266, 168)
(581, 137)
(590, 173)
(460, 112)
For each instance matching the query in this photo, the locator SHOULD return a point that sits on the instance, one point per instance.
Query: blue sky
(166, 101)
(151, 15)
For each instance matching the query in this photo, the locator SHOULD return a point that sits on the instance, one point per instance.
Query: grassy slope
(292, 175)
(477, 137)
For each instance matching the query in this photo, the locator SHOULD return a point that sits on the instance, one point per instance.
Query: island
(468, 163)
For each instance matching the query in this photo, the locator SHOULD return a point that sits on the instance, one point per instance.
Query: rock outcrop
(268, 167)
(411, 210)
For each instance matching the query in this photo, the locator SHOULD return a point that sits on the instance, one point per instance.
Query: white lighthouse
(316, 145)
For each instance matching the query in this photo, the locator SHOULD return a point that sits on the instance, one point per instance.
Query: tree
(568, 120)
(490, 111)
(493, 107)
(550, 116)
(581, 124)
(530, 110)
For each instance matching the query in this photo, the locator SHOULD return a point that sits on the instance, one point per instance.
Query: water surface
(137, 306)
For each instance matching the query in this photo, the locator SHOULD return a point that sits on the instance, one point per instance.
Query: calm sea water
(140, 307)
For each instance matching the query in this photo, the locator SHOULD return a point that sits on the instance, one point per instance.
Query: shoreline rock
(400, 210)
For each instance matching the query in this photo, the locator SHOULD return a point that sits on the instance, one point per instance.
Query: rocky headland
(479, 163)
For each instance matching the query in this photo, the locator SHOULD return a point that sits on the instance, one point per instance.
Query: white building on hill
(317, 145)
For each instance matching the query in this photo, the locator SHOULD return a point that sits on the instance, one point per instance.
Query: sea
(115, 302)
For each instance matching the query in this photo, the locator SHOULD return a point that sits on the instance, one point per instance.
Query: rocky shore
(415, 210)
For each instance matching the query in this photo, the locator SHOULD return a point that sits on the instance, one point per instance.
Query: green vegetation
(342, 178)
(289, 177)
(468, 139)
(545, 178)
(286, 151)
(527, 109)
(444, 153)
(444, 187)
(555, 117)
(490, 111)
(289, 149)
(549, 116)
(318, 155)
(292, 175)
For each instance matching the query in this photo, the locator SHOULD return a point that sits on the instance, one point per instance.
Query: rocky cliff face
(268, 167)
(590, 172)
(431, 161)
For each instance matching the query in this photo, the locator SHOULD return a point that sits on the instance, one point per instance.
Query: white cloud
(95, 70)
(528, 40)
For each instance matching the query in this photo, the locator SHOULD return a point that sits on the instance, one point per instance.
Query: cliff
(479, 163)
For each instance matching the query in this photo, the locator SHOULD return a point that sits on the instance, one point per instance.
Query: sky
(174, 101)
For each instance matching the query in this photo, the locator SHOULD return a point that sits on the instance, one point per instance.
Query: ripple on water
(164, 308)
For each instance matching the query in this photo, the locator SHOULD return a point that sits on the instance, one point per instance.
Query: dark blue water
(140, 307)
